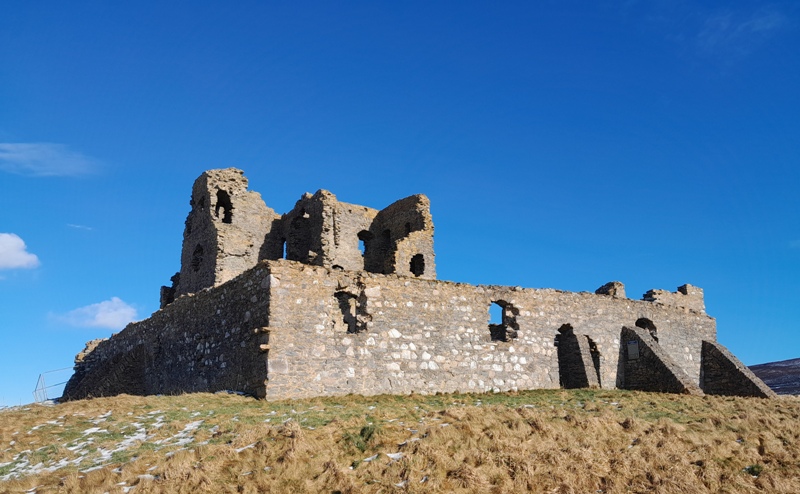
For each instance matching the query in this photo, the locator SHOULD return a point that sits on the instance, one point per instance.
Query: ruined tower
(224, 232)
(230, 228)
(322, 231)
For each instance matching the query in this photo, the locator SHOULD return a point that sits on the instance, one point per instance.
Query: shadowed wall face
(647, 367)
(723, 374)
(578, 360)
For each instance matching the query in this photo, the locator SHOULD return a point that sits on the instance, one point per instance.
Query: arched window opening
(417, 266)
(647, 324)
(495, 314)
(224, 203)
(197, 257)
(283, 248)
(507, 328)
(364, 238)
(336, 267)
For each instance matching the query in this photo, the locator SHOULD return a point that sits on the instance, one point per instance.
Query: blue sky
(563, 144)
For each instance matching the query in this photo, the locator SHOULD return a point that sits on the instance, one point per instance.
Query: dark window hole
(224, 203)
(417, 265)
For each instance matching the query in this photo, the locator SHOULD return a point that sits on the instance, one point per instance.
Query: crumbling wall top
(687, 296)
(613, 288)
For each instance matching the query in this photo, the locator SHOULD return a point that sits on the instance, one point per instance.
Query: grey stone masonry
(203, 342)
(578, 365)
(646, 367)
(687, 296)
(724, 374)
(334, 298)
(612, 288)
(229, 229)
(223, 235)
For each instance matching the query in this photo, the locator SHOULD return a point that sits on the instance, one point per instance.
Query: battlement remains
(687, 296)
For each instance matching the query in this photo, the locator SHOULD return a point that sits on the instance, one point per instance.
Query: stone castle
(333, 298)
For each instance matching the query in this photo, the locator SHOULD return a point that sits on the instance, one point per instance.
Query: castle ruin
(334, 298)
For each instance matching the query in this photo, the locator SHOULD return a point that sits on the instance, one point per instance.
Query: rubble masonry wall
(431, 336)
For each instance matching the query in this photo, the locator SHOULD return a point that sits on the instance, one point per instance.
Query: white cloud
(43, 159)
(109, 314)
(14, 253)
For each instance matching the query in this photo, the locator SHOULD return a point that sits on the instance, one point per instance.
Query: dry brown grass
(538, 441)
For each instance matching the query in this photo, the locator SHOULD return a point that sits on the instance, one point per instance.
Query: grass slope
(541, 441)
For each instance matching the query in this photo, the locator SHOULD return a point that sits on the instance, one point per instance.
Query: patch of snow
(249, 446)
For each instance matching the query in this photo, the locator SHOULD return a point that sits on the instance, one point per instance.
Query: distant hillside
(783, 377)
(553, 441)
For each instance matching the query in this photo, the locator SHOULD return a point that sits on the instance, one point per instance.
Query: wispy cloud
(14, 253)
(735, 33)
(109, 314)
(44, 159)
(720, 35)
(80, 227)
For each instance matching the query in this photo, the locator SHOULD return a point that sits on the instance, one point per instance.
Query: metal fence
(40, 394)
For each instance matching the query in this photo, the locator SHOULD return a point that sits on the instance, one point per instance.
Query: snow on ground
(84, 452)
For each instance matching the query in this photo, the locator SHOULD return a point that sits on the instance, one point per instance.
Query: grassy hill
(542, 441)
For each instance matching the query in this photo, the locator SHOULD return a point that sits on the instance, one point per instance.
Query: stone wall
(203, 342)
(229, 229)
(724, 374)
(645, 366)
(403, 237)
(311, 330)
(578, 365)
(687, 296)
(419, 335)
(224, 232)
